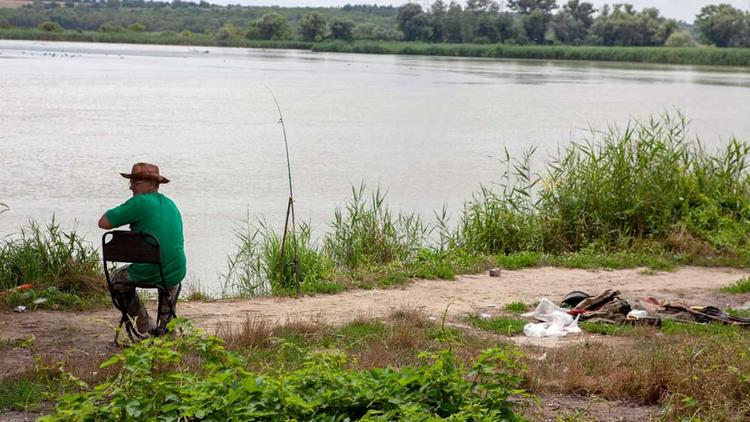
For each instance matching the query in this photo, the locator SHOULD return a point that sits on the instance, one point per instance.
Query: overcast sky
(678, 9)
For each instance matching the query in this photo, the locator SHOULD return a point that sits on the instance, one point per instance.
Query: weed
(367, 232)
(62, 267)
(516, 307)
(20, 394)
(739, 287)
(149, 386)
(502, 325)
(519, 260)
(255, 268)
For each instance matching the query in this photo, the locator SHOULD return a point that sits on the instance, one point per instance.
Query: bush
(680, 39)
(50, 26)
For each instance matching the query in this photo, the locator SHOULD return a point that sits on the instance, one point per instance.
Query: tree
(452, 23)
(536, 16)
(625, 26)
(527, 7)
(312, 27)
(680, 39)
(413, 22)
(341, 29)
(49, 26)
(572, 23)
(273, 26)
(724, 26)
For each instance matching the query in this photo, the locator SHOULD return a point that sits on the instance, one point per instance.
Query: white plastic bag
(557, 322)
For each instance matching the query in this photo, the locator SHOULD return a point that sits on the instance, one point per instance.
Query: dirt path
(66, 334)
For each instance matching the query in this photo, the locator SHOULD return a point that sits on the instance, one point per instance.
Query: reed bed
(666, 55)
(642, 195)
(51, 263)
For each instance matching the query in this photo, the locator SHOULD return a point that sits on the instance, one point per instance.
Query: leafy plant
(156, 382)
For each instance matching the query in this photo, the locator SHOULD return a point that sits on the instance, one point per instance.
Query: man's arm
(104, 223)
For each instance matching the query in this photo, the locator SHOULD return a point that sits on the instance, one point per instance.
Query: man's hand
(104, 223)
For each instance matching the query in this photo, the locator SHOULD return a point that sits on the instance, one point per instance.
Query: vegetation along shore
(543, 29)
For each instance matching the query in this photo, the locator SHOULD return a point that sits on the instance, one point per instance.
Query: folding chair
(140, 248)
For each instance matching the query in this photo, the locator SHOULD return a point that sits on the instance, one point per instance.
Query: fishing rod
(289, 212)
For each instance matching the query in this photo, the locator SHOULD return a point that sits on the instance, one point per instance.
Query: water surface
(430, 130)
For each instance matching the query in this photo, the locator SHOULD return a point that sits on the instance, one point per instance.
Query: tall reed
(49, 256)
(366, 232)
(255, 269)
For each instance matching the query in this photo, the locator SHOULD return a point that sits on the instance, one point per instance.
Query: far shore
(704, 55)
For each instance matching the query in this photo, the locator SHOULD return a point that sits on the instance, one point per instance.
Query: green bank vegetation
(644, 195)
(666, 55)
(527, 29)
(403, 366)
(55, 268)
(641, 196)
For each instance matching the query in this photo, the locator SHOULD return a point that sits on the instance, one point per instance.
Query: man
(150, 212)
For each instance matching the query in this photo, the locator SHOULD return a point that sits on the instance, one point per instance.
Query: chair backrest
(128, 246)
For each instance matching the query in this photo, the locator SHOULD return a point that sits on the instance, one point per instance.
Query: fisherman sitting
(151, 212)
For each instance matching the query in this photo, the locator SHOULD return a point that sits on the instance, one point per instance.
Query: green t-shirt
(155, 214)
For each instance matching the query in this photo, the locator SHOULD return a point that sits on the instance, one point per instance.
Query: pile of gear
(609, 307)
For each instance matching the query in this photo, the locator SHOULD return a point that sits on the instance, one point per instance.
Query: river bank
(705, 56)
(80, 341)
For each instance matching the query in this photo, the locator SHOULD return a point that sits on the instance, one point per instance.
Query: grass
(21, 394)
(60, 267)
(687, 370)
(666, 55)
(639, 196)
(503, 325)
(741, 286)
(130, 37)
(516, 307)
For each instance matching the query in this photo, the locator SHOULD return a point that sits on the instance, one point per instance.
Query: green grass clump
(20, 394)
(255, 268)
(502, 325)
(366, 232)
(520, 260)
(516, 307)
(739, 287)
(61, 267)
(150, 385)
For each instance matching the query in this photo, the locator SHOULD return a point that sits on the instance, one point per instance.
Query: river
(428, 130)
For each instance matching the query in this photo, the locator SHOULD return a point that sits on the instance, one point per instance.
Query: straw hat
(145, 171)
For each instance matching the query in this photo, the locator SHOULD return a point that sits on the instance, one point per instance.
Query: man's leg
(133, 305)
(164, 316)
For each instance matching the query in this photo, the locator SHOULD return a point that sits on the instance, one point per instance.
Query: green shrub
(50, 26)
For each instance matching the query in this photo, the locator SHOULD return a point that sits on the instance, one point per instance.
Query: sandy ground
(65, 335)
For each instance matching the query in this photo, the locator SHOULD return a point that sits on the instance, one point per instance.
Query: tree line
(574, 22)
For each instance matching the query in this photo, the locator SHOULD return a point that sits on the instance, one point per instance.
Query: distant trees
(312, 27)
(724, 25)
(570, 22)
(414, 23)
(341, 29)
(273, 26)
(536, 22)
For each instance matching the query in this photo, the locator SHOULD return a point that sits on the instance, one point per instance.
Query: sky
(679, 9)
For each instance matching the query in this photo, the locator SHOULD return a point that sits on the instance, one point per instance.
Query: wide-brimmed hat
(145, 171)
